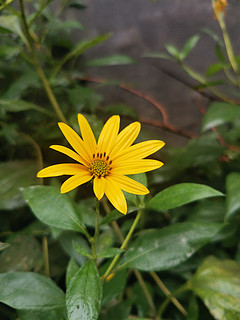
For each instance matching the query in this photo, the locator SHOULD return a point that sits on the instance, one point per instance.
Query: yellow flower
(107, 161)
(219, 7)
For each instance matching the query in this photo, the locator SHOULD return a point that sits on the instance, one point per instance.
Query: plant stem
(124, 244)
(94, 239)
(165, 303)
(145, 291)
(45, 256)
(169, 295)
(38, 67)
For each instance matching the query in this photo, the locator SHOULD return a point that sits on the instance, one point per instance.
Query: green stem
(165, 303)
(45, 256)
(38, 67)
(227, 41)
(94, 239)
(124, 244)
(165, 290)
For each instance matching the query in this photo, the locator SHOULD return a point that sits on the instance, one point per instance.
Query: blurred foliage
(183, 262)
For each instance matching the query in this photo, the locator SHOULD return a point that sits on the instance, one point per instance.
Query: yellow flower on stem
(107, 161)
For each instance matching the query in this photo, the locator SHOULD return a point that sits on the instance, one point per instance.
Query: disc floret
(100, 166)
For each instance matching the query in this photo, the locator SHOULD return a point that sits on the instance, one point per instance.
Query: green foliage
(62, 261)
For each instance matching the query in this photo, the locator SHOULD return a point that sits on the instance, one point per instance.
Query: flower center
(99, 168)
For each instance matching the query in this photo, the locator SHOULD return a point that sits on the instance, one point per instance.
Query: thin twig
(165, 290)
(45, 256)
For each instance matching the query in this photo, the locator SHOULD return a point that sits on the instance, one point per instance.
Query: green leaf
(45, 315)
(84, 293)
(72, 269)
(77, 4)
(30, 291)
(217, 283)
(214, 68)
(67, 238)
(23, 254)
(162, 249)
(14, 175)
(122, 110)
(113, 287)
(20, 105)
(173, 51)
(220, 113)
(114, 60)
(53, 208)
(193, 310)
(232, 194)
(181, 194)
(79, 49)
(11, 24)
(109, 252)
(81, 250)
(189, 45)
(160, 55)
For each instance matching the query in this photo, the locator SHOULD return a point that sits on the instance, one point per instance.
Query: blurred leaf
(208, 211)
(220, 113)
(119, 311)
(23, 254)
(82, 97)
(105, 240)
(72, 269)
(173, 51)
(30, 291)
(193, 310)
(8, 52)
(113, 60)
(53, 208)
(217, 283)
(79, 49)
(219, 54)
(15, 175)
(84, 293)
(122, 110)
(111, 216)
(11, 24)
(109, 252)
(214, 68)
(162, 249)
(214, 36)
(160, 55)
(20, 105)
(189, 46)
(232, 195)
(3, 246)
(28, 79)
(180, 194)
(114, 287)
(77, 4)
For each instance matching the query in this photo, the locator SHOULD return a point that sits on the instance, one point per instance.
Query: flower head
(106, 161)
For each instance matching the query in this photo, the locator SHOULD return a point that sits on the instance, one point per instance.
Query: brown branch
(165, 124)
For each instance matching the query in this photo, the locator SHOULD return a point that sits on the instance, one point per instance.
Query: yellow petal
(68, 152)
(99, 187)
(138, 151)
(87, 134)
(129, 185)
(75, 181)
(75, 141)
(62, 169)
(115, 195)
(137, 166)
(126, 137)
(108, 135)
